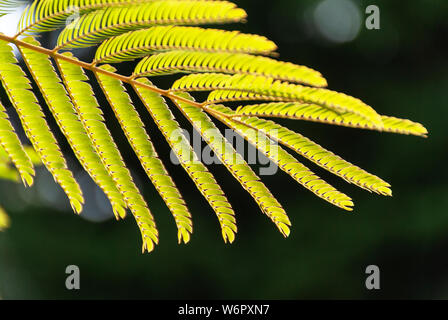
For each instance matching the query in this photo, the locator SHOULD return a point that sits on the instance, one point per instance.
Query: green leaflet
(184, 61)
(135, 132)
(317, 113)
(203, 179)
(11, 145)
(91, 116)
(48, 15)
(235, 163)
(99, 25)
(36, 128)
(336, 101)
(285, 161)
(68, 120)
(403, 126)
(319, 155)
(135, 44)
(5, 222)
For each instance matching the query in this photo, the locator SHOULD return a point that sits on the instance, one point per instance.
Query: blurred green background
(401, 70)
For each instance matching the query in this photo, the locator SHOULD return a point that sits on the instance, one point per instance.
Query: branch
(167, 93)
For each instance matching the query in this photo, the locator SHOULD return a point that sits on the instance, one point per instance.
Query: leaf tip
(148, 245)
(76, 206)
(284, 229)
(119, 212)
(385, 191)
(228, 235)
(347, 205)
(27, 180)
(183, 236)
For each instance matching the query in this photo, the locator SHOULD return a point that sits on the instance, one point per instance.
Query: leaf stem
(127, 79)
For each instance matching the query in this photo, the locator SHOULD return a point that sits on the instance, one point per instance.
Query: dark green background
(400, 70)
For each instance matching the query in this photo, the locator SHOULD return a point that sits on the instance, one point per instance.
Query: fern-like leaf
(230, 65)
(133, 127)
(319, 155)
(135, 44)
(36, 128)
(336, 101)
(96, 26)
(203, 179)
(317, 113)
(10, 143)
(184, 61)
(285, 161)
(68, 120)
(235, 164)
(48, 15)
(91, 116)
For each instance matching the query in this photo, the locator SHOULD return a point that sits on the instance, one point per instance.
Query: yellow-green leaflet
(99, 25)
(91, 116)
(36, 128)
(203, 179)
(285, 161)
(68, 120)
(310, 112)
(33, 155)
(319, 155)
(233, 63)
(336, 101)
(5, 222)
(135, 44)
(11, 145)
(221, 96)
(47, 15)
(135, 132)
(403, 126)
(235, 163)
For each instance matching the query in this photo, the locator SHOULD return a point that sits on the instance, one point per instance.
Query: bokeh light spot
(337, 21)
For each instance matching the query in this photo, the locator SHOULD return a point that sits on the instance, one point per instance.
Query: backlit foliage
(168, 37)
